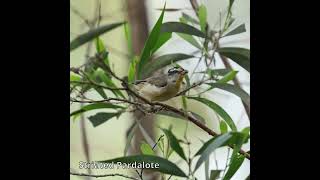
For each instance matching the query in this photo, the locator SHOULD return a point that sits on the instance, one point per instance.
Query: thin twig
(103, 175)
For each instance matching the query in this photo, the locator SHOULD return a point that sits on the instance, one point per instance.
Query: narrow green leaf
(162, 61)
(237, 159)
(102, 117)
(214, 174)
(163, 38)
(190, 39)
(190, 19)
(234, 166)
(127, 33)
(165, 166)
(184, 103)
(132, 70)
(239, 55)
(228, 77)
(101, 50)
(131, 133)
(215, 107)
(237, 30)
(179, 27)
(174, 143)
(223, 127)
(95, 106)
(206, 169)
(108, 82)
(232, 89)
(146, 149)
(75, 77)
(88, 36)
(150, 44)
(100, 45)
(231, 141)
(202, 12)
(216, 143)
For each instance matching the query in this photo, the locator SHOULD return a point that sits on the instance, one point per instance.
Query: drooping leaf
(215, 107)
(216, 143)
(145, 134)
(214, 174)
(163, 61)
(95, 106)
(88, 36)
(132, 70)
(189, 18)
(174, 143)
(190, 39)
(232, 89)
(165, 166)
(237, 30)
(231, 141)
(102, 117)
(228, 77)
(179, 27)
(206, 168)
(131, 133)
(223, 127)
(146, 149)
(234, 166)
(202, 12)
(150, 44)
(239, 55)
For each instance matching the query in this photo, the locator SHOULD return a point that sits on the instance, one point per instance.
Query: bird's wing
(159, 81)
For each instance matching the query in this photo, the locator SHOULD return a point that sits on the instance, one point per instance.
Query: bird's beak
(183, 72)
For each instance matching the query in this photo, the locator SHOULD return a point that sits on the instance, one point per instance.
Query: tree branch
(104, 175)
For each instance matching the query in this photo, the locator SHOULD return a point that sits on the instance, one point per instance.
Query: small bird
(161, 87)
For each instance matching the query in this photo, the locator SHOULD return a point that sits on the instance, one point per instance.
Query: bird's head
(176, 74)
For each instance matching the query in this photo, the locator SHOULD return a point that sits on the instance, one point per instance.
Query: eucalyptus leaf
(233, 89)
(88, 36)
(150, 43)
(129, 138)
(179, 27)
(239, 55)
(163, 38)
(164, 60)
(190, 39)
(216, 143)
(102, 117)
(215, 107)
(228, 77)
(132, 70)
(223, 127)
(214, 174)
(165, 166)
(190, 19)
(95, 106)
(174, 143)
(234, 166)
(240, 29)
(146, 149)
(202, 12)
